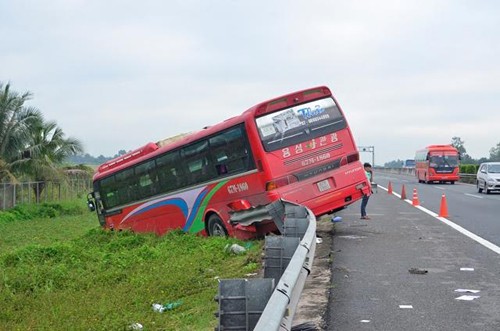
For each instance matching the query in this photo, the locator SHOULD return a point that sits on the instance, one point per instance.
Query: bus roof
(440, 148)
(152, 149)
(289, 100)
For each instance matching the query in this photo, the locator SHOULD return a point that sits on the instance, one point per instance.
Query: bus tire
(215, 226)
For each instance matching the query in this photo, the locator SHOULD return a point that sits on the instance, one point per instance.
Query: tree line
(31, 147)
(459, 144)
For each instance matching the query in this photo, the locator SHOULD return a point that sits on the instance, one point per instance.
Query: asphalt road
(476, 212)
(372, 287)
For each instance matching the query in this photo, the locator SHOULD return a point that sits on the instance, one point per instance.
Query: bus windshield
(297, 124)
(437, 161)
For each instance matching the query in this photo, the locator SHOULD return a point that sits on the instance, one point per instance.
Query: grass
(62, 272)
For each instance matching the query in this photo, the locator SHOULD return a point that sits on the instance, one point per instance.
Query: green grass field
(60, 271)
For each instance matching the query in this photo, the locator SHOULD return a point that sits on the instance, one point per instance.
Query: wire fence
(40, 192)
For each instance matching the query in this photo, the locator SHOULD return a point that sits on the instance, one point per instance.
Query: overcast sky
(118, 74)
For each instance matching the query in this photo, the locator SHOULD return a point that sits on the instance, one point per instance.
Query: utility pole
(369, 149)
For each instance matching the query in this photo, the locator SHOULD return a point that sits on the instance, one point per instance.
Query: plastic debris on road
(463, 290)
(468, 297)
(417, 271)
(336, 219)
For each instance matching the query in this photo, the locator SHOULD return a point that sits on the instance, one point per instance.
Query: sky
(118, 74)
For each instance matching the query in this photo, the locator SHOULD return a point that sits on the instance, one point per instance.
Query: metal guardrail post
(280, 309)
(288, 262)
(241, 302)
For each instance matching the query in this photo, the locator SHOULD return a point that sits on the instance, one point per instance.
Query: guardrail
(259, 304)
(464, 178)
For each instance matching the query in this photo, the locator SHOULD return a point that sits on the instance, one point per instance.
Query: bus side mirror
(91, 205)
(90, 202)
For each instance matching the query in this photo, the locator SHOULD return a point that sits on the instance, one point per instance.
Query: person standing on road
(364, 200)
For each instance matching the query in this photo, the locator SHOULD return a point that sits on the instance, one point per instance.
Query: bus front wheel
(216, 226)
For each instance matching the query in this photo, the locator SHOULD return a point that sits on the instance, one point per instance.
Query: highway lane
(477, 212)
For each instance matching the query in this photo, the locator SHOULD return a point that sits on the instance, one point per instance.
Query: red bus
(297, 147)
(437, 163)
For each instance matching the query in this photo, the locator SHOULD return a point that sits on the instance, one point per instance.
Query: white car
(488, 177)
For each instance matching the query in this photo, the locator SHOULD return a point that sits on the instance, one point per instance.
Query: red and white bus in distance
(297, 147)
(437, 163)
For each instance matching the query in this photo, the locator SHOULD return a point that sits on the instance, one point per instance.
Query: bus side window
(169, 169)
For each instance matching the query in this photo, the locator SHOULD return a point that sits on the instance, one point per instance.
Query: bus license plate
(324, 185)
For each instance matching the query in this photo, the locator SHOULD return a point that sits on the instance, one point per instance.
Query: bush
(45, 210)
(468, 168)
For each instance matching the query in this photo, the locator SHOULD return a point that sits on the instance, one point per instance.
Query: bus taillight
(353, 157)
(238, 205)
(343, 161)
(279, 182)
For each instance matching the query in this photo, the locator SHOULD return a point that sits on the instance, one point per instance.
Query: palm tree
(45, 151)
(14, 127)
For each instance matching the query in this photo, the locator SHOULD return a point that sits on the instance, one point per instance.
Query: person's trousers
(364, 202)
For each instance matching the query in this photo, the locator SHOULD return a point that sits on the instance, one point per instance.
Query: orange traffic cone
(389, 189)
(415, 201)
(443, 211)
(403, 193)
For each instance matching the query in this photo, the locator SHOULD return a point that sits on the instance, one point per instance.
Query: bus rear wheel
(216, 226)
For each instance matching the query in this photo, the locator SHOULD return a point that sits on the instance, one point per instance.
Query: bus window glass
(437, 161)
(127, 185)
(300, 123)
(147, 179)
(169, 171)
(196, 158)
(231, 152)
(109, 192)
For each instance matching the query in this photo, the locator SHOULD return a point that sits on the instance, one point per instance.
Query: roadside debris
(168, 306)
(336, 219)
(463, 290)
(417, 271)
(135, 326)
(468, 297)
(235, 248)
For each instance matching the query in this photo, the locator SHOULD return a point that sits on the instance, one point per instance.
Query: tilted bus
(437, 163)
(297, 147)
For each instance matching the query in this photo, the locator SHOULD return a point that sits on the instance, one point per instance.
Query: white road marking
(406, 306)
(473, 195)
(439, 188)
(457, 227)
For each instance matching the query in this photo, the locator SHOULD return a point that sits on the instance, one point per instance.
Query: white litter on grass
(158, 308)
(319, 240)
(136, 326)
(406, 306)
(468, 297)
(463, 290)
(365, 321)
(466, 269)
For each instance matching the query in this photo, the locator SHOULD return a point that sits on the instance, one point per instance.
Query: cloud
(117, 74)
